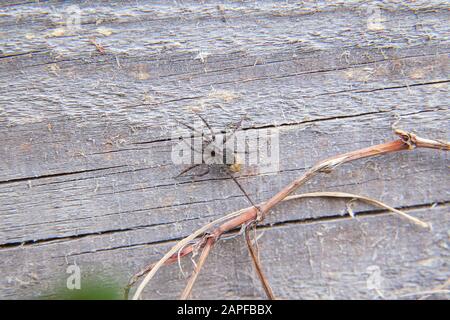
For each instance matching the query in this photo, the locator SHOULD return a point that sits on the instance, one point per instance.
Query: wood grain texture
(86, 174)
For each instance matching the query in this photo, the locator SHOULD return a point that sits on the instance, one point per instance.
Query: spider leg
(203, 173)
(213, 136)
(217, 147)
(194, 130)
(259, 214)
(237, 126)
(187, 169)
(192, 147)
(207, 140)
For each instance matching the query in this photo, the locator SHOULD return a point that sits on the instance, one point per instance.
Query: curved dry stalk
(407, 141)
(374, 202)
(183, 251)
(172, 255)
(257, 264)
(201, 261)
(178, 246)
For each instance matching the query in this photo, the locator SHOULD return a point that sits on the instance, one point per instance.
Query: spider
(217, 155)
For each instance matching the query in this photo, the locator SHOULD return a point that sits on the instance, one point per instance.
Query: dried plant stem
(185, 250)
(407, 141)
(172, 253)
(254, 254)
(374, 202)
(201, 261)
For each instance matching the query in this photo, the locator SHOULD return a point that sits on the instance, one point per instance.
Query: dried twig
(182, 249)
(254, 254)
(374, 202)
(201, 261)
(407, 141)
(97, 45)
(172, 256)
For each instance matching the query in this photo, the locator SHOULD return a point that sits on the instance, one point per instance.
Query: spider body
(218, 155)
(215, 152)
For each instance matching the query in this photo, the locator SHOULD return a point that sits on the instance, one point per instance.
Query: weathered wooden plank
(85, 167)
(145, 191)
(165, 83)
(62, 143)
(294, 90)
(327, 259)
(239, 26)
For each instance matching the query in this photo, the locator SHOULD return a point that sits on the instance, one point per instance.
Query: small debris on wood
(98, 46)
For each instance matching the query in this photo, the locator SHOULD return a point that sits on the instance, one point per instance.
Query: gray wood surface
(86, 175)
